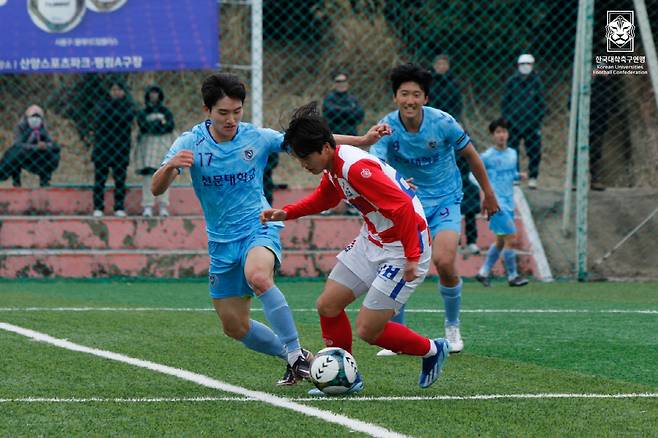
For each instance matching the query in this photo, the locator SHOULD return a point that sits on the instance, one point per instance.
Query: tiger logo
(620, 33)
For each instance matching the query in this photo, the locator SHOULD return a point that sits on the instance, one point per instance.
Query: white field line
(281, 402)
(200, 309)
(477, 397)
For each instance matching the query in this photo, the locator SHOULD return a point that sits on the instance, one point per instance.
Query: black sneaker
(302, 366)
(288, 378)
(486, 281)
(518, 281)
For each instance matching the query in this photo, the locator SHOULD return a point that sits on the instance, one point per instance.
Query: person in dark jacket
(33, 150)
(470, 206)
(341, 109)
(444, 91)
(523, 107)
(156, 126)
(113, 126)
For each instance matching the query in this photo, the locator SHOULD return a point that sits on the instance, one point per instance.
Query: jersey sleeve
(455, 135)
(323, 198)
(182, 142)
(273, 140)
(368, 178)
(380, 149)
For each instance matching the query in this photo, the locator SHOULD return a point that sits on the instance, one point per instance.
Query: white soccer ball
(333, 371)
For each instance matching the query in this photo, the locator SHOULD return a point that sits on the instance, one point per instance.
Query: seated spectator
(156, 126)
(33, 150)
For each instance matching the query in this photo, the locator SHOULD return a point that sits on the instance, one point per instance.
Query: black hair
(308, 131)
(219, 85)
(498, 123)
(411, 73)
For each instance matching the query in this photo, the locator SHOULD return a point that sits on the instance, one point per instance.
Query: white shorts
(379, 271)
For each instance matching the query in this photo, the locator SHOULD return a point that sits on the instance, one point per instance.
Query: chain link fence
(340, 53)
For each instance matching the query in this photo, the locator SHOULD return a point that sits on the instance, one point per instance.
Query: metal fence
(339, 53)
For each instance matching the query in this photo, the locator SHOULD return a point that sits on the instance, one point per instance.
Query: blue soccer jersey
(502, 172)
(427, 155)
(228, 177)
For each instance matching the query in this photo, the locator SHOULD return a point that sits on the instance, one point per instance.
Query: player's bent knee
(367, 332)
(259, 281)
(326, 307)
(445, 265)
(235, 331)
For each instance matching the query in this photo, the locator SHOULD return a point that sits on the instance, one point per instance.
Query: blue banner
(77, 36)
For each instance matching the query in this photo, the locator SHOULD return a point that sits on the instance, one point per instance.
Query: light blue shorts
(226, 274)
(444, 216)
(502, 223)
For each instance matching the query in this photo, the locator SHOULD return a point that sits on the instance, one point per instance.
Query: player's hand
(490, 205)
(375, 133)
(523, 176)
(184, 158)
(273, 214)
(410, 271)
(413, 186)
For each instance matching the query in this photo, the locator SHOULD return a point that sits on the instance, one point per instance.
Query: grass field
(562, 359)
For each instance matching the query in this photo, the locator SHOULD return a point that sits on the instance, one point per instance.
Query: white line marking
(536, 246)
(356, 425)
(340, 399)
(199, 309)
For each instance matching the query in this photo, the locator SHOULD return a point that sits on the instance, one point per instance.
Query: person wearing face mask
(523, 108)
(113, 126)
(33, 150)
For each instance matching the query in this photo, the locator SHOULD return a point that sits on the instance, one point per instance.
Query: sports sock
(509, 258)
(279, 316)
(399, 318)
(492, 258)
(261, 338)
(337, 331)
(452, 301)
(401, 339)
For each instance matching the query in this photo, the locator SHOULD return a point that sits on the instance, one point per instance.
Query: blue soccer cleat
(433, 365)
(356, 387)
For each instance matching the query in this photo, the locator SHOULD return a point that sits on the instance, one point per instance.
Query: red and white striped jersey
(393, 216)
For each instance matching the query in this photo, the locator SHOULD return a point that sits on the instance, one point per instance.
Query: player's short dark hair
(498, 123)
(411, 73)
(219, 85)
(308, 131)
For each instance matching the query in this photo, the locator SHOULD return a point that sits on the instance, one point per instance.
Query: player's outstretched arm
(490, 204)
(273, 214)
(369, 138)
(166, 174)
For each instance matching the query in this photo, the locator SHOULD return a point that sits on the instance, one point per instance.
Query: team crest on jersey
(396, 146)
(432, 144)
(248, 154)
(366, 173)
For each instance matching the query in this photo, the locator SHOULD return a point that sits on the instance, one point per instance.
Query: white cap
(526, 58)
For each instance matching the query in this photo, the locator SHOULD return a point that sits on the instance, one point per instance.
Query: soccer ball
(333, 371)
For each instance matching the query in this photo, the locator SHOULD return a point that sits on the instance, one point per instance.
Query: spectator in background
(113, 126)
(156, 125)
(444, 92)
(523, 107)
(268, 182)
(33, 150)
(470, 206)
(342, 110)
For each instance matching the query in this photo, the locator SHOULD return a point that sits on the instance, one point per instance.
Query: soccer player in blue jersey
(422, 147)
(227, 158)
(501, 164)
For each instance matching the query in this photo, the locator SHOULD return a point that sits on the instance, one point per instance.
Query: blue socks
(452, 300)
(399, 318)
(492, 258)
(262, 339)
(509, 258)
(279, 316)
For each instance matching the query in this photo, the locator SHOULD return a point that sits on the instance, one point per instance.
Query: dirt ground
(612, 214)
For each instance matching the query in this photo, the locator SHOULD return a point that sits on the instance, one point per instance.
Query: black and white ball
(333, 371)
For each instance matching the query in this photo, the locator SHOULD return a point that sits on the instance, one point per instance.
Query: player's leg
(509, 256)
(533, 150)
(444, 254)
(514, 142)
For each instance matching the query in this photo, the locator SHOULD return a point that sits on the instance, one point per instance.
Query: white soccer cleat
(454, 339)
(386, 353)
(120, 213)
(473, 249)
(532, 183)
(148, 212)
(163, 211)
(98, 213)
